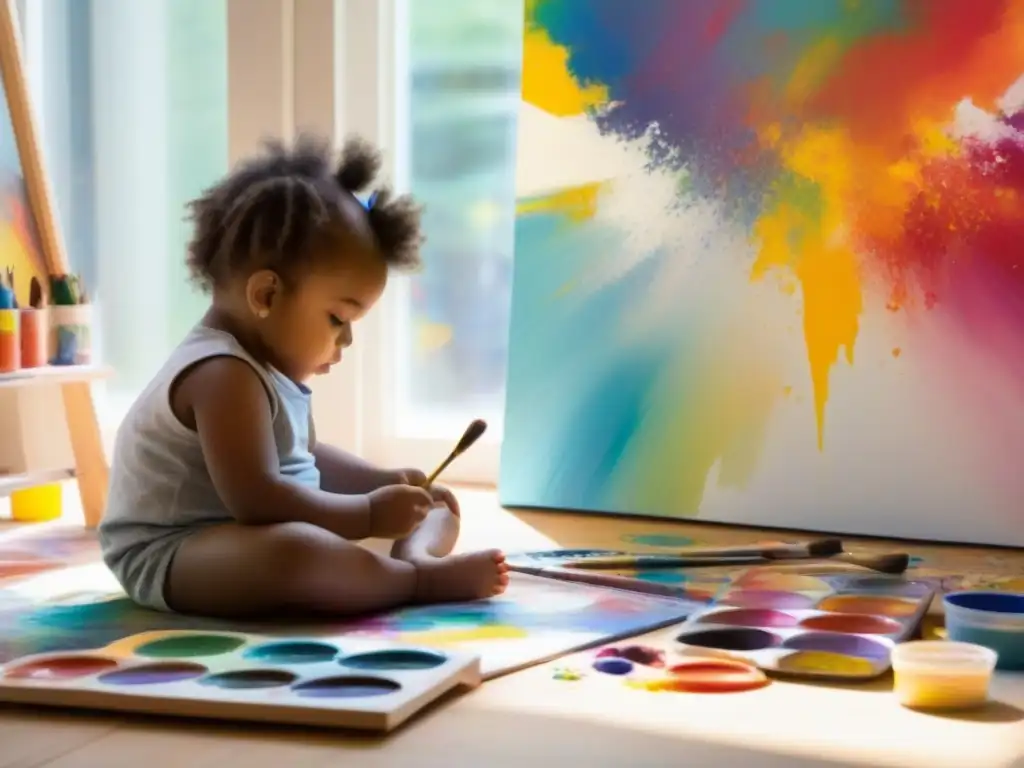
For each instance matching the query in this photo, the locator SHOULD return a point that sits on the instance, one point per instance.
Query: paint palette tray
(834, 626)
(344, 682)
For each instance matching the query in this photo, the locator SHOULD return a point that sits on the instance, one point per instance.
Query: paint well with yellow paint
(465, 635)
(826, 663)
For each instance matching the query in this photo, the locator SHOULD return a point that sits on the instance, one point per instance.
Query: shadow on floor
(475, 738)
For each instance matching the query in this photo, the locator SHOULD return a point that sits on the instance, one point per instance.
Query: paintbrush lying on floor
(891, 563)
(830, 550)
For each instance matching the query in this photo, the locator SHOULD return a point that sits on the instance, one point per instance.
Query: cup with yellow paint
(939, 674)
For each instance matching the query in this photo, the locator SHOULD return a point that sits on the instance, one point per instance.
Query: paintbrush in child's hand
(476, 428)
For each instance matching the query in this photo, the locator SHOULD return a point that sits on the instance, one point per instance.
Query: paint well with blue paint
(395, 659)
(292, 652)
(613, 665)
(662, 577)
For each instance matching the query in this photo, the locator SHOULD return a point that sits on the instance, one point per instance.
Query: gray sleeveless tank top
(159, 483)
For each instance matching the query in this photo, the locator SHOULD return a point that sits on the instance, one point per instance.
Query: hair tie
(369, 201)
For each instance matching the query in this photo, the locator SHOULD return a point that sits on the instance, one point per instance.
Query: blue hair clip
(370, 201)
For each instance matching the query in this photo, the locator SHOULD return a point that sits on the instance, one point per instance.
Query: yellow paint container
(937, 674)
(38, 504)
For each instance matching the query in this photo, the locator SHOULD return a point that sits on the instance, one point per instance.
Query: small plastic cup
(938, 674)
(37, 504)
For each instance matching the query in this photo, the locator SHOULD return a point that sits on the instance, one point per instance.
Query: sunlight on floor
(486, 524)
(760, 721)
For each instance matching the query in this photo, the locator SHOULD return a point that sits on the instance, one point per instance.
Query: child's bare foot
(470, 576)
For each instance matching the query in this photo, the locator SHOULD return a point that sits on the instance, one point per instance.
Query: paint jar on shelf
(35, 337)
(38, 504)
(71, 334)
(10, 340)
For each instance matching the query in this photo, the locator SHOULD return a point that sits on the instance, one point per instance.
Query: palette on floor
(827, 626)
(326, 681)
(832, 627)
(535, 620)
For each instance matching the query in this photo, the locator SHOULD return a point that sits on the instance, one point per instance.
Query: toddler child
(222, 501)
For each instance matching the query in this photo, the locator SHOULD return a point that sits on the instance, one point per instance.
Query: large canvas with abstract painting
(770, 265)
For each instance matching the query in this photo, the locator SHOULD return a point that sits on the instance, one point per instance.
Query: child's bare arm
(343, 472)
(232, 417)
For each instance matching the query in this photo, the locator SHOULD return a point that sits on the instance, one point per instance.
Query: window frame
(356, 405)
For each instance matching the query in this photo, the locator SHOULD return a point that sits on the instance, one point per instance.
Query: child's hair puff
(289, 205)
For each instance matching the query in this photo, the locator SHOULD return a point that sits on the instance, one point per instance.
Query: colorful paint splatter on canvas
(769, 264)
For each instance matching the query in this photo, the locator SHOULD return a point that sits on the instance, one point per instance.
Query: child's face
(310, 323)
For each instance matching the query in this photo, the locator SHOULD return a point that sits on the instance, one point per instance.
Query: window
(445, 104)
(142, 104)
(132, 100)
(462, 82)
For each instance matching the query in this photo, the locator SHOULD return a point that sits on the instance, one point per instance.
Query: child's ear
(261, 289)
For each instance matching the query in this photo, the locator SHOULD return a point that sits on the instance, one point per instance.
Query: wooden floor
(531, 717)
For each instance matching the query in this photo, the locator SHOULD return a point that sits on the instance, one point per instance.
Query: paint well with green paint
(188, 646)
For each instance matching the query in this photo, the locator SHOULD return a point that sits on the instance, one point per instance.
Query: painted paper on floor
(769, 264)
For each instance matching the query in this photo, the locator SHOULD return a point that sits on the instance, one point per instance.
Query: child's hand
(396, 510)
(442, 495)
(439, 493)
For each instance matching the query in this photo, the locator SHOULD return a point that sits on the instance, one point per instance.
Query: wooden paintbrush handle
(644, 562)
(815, 567)
(440, 468)
(742, 550)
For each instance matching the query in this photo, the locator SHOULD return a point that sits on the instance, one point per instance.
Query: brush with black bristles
(831, 550)
(476, 428)
(891, 564)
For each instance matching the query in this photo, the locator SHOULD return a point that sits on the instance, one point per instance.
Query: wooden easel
(90, 463)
